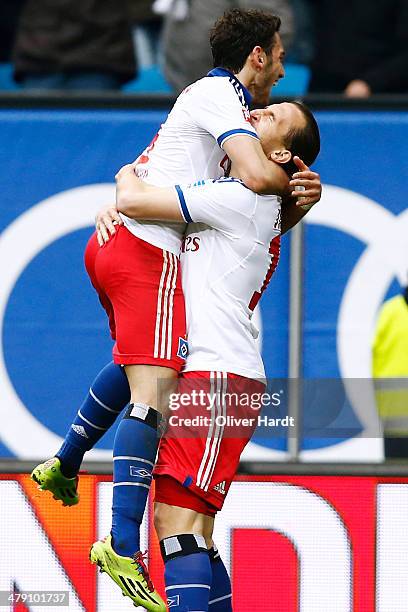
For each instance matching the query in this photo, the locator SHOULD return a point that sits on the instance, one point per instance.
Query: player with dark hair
(235, 35)
(231, 250)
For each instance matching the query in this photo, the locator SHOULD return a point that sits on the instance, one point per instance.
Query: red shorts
(212, 418)
(139, 286)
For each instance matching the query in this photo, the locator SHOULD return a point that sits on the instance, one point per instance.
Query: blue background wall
(55, 336)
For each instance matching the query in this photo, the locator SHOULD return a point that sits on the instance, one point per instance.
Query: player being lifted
(209, 121)
(231, 250)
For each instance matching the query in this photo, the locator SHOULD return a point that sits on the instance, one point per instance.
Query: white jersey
(229, 254)
(189, 145)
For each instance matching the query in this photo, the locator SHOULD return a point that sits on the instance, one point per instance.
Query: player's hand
(127, 178)
(308, 182)
(126, 169)
(105, 222)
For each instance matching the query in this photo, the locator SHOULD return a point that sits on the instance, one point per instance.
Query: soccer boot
(49, 477)
(131, 575)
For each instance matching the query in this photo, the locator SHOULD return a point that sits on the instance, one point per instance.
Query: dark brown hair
(303, 142)
(237, 32)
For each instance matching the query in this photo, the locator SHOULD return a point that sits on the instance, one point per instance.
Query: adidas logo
(220, 487)
(80, 430)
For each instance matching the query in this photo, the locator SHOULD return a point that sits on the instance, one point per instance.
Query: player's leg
(221, 590)
(144, 287)
(134, 455)
(178, 520)
(134, 452)
(195, 469)
(185, 536)
(183, 518)
(143, 284)
(107, 396)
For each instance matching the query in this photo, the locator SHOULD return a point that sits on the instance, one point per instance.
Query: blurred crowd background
(356, 48)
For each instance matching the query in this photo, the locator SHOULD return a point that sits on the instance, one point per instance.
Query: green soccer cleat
(49, 477)
(131, 575)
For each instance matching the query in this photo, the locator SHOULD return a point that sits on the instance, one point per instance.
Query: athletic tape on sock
(182, 545)
(145, 413)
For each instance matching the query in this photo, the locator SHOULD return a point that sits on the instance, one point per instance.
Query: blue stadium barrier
(54, 334)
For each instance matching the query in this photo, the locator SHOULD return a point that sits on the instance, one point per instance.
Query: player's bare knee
(174, 520)
(167, 521)
(151, 385)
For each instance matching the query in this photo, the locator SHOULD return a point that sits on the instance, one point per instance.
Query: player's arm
(138, 200)
(259, 175)
(252, 165)
(223, 205)
(217, 109)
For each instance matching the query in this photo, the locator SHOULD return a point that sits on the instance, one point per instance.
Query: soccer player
(209, 123)
(230, 251)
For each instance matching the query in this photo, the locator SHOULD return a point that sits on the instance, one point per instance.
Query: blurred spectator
(301, 48)
(142, 11)
(74, 44)
(147, 32)
(361, 47)
(9, 14)
(187, 53)
(390, 372)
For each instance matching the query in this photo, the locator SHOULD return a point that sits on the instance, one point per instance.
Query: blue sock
(220, 594)
(134, 455)
(187, 572)
(106, 398)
